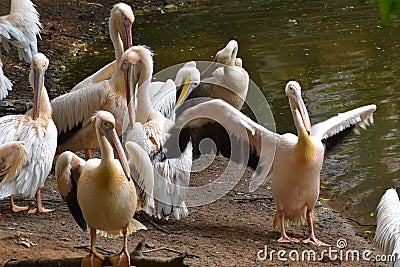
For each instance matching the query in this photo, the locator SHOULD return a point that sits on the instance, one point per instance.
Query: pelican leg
(88, 153)
(284, 237)
(40, 208)
(94, 258)
(122, 259)
(311, 237)
(16, 208)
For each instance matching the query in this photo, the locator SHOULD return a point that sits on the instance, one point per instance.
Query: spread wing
(68, 170)
(236, 136)
(5, 83)
(360, 116)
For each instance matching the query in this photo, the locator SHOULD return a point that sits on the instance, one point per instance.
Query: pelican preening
(100, 192)
(294, 167)
(120, 29)
(77, 131)
(39, 134)
(19, 28)
(224, 78)
(171, 177)
(387, 234)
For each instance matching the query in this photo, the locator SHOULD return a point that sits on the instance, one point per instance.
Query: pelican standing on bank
(100, 192)
(19, 28)
(387, 234)
(37, 130)
(294, 167)
(72, 111)
(171, 177)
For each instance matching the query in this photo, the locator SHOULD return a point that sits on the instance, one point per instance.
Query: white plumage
(171, 177)
(76, 130)
(292, 162)
(37, 130)
(387, 234)
(19, 28)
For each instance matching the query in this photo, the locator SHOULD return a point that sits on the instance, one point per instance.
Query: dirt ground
(231, 231)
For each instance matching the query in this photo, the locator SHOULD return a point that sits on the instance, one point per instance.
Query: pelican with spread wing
(293, 162)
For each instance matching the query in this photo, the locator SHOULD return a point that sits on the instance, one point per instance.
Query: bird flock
(148, 137)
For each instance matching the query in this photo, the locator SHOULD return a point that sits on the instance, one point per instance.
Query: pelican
(387, 234)
(171, 177)
(19, 28)
(163, 94)
(37, 130)
(120, 29)
(224, 78)
(99, 192)
(296, 164)
(77, 131)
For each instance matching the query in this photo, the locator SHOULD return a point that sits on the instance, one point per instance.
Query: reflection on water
(337, 50)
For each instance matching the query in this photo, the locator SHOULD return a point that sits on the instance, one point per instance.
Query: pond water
(337, 50)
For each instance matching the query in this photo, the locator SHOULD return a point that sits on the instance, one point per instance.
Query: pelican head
(105, 126)
(226, 56)
(299, 110)
(122, 19)
(36, 78)
(135, 56)
(188, 78)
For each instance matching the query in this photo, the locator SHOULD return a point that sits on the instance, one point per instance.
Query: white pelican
(163, 94)
(120, 29)
(77, 131)
(20, 29)
(171, 177)
(387, 234)
(224, 78)
(37, 130)
(296, 163)
(99, 192)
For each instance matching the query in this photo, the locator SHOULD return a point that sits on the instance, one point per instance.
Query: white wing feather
(360, 116)
(163, 97)
(261, 141)
(5, 83)
(102, 74)
(142, 171)
(24, 17)
(12, 157)
(387, 234)
(41, 143)
(78, 106)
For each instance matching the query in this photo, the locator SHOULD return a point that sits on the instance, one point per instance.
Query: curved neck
(116, 40)
(107, 152)
(45, 106)
(144, 106)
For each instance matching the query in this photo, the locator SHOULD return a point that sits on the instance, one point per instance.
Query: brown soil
(227, 232)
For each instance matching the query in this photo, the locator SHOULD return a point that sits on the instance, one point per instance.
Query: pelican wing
(237, 136)
(387, 234)
(76, 108)
(9, 34)
(102, 74)
(5, 83)
(25, 18)
(360, 117)
(12, 157)
(142, 173)
(68, 170)
(40, 138)
(163, 97)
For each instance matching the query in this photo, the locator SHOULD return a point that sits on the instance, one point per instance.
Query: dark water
(337, 50)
